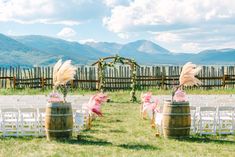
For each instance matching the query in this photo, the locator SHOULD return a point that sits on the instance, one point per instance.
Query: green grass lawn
(155, 91)
(119, 133)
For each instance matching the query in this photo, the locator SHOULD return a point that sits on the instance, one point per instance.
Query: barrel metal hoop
(181, 128)
(59, 115)
(176, 114)
(58, 130)
(177, 105)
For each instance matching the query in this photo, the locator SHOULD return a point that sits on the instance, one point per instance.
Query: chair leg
(200, 126)
(219, 125)
(214, 127)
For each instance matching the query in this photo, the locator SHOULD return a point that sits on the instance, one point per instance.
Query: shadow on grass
(118, 131)
(90, 130)
(138, 147)
(207, 139)
(25, 138)
(113, 121)
(86, 140)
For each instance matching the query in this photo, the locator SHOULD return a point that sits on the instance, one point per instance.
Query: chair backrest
(41, 110)
(193, 107)
(28, 113)
(9, 113)
(41, 113)
(226, 108)
(27, 110)
(9, 110)
(226, 111)
(207, 111)
(193, 110)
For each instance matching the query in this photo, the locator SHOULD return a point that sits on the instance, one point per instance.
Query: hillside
(34, 50)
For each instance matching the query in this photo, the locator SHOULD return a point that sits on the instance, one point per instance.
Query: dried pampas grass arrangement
(62, 74)
(187, 76)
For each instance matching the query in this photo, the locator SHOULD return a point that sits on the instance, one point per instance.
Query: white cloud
(123, 35)
(67, 33)
(190, 47)
(49, 11)
(25, 9)
(83, 41)
(141, 13)
(113, 3)
(167, 37)
(49, 21)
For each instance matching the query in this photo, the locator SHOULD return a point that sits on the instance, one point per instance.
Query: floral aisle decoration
(94, 107)
(149, 107)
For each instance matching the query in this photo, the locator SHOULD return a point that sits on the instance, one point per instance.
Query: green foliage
(123, 93)
(63, 89)
(117, 59)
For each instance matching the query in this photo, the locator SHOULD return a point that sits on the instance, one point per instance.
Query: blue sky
(178, 25)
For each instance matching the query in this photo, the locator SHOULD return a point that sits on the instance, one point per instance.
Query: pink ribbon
(95, 103)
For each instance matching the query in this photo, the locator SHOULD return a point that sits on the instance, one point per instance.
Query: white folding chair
(207, 120)
(10, 122)
(78, 120)
(28, 122)
(41, 121)
(193, 111)
(158, 122)
(225, 119)
(0, 120)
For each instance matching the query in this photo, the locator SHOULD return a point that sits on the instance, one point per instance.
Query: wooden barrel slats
(59, 120)
(176, 119)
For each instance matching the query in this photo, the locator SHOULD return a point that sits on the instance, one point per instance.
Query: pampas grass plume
(63, 73)
(188, 73)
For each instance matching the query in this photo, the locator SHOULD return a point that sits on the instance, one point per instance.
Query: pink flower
(97, 110)
(179, 96)
(95, 103)
(147, 104)
(55, 97)
(155, 105)
(146, 97)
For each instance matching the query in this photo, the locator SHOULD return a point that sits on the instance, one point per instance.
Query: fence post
(14, 82)
(72, 83)
(163, 81)
(224, 80)
(42, 82)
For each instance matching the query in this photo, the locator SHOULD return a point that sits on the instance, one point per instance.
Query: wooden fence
(117, 78)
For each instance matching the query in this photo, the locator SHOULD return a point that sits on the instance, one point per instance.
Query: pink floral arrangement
(148, 105)
(179, 96)
(55, 97)
(95, 102)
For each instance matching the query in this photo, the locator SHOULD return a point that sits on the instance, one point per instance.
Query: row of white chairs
(30, 121)
(208, 120)
(212, 120)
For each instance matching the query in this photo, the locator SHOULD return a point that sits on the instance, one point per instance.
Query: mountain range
(36, 50)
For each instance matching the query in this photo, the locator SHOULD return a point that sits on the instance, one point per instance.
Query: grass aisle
(120, 132)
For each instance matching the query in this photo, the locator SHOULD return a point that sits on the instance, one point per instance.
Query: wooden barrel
(59, 120)
(176, 120)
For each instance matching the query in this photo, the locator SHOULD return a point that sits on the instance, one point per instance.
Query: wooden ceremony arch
(102, 64)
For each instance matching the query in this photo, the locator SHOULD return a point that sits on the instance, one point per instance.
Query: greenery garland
(133, 80)
(117, 59)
